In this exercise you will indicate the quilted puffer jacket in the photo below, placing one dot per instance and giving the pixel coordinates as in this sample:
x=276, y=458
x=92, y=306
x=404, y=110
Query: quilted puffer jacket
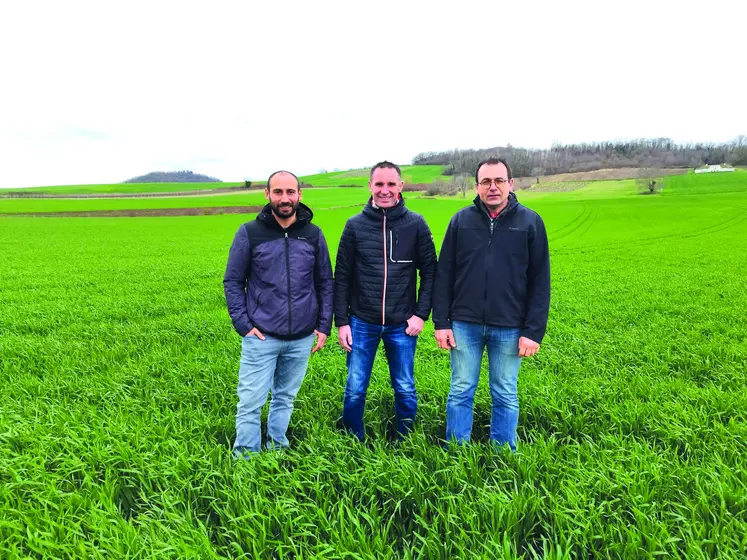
x=378, y=260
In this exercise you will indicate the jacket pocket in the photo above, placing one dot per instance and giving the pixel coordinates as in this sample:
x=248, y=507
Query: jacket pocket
x=402, y=244
x=252, y=303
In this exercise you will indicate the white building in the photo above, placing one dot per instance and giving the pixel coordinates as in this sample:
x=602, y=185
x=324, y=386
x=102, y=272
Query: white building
x=714, y=169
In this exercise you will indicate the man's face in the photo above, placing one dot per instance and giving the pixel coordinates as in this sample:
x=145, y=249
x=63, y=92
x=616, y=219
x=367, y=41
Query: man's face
x=284, y=195
x=385, y=186
x=493, y=185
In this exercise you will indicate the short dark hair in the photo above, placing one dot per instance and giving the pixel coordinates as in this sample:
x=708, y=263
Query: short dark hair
x=283, y=171
x=493, y=161
x=385, y=165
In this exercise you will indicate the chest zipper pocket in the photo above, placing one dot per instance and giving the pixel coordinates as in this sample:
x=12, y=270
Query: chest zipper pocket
x=391, y=249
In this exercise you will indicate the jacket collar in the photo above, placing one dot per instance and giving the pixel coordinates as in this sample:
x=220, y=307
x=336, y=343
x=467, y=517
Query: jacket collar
x=377, y=213
x=304, y=215
x=510, y=208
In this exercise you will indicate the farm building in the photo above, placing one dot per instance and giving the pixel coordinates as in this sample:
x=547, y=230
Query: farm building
x=714, y=169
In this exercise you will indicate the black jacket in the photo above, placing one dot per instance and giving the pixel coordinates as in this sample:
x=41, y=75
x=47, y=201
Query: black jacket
x=494, y=271
x=279, y=280
x=377, y=262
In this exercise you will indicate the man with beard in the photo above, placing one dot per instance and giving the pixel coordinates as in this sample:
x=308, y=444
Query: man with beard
x=377, y=297
x=278, y=285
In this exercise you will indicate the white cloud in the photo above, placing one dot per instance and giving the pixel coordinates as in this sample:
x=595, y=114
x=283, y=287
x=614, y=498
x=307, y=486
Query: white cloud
x=102, y=91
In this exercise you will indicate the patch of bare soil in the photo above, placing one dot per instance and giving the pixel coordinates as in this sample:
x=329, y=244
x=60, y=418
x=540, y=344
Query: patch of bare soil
x=563, y=186
x=150, y=212
x=599, y=175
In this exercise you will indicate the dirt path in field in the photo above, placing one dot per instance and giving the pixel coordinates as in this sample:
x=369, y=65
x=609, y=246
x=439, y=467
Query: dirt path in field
x=150, y=212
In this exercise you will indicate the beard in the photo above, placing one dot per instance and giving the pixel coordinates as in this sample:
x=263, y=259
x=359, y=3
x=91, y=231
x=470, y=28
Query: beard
x=284, y=211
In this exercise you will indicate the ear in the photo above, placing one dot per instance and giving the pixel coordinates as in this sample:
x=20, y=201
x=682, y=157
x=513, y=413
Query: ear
x=267, y=194
x=511, y=185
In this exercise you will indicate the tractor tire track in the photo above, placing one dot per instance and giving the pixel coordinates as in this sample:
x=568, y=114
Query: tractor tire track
x=578, y=216
x=589, y=223
x=708, y=230
x=590, y=215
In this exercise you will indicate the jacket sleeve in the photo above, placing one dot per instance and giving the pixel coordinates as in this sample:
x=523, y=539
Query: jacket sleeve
x=443, y=287
x=234, y=281
x=426, y=263
x=538, y=285
x=324, y=284
x=344, y=274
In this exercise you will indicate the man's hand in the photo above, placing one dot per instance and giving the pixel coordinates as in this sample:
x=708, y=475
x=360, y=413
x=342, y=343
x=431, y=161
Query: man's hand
x=527, y=347
x=414, y=326
x=445, y=339
x=321, y=340
x=255, y=332
x=345, y=337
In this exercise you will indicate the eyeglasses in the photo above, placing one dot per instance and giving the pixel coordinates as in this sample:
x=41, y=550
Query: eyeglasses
x=499, y=182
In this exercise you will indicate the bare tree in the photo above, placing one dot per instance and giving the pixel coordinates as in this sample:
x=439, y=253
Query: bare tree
x=649, y=180
x=537, y=172
x=463, y=184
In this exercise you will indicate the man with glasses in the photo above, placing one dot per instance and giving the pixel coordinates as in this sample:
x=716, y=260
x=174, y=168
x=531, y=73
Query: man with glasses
x=492, y=290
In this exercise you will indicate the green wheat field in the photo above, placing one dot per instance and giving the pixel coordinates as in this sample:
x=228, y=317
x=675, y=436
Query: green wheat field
x=118, y=373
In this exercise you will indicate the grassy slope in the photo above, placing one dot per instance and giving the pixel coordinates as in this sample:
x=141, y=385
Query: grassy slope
x=707, y=183
x=118, y=387
x=410, y=173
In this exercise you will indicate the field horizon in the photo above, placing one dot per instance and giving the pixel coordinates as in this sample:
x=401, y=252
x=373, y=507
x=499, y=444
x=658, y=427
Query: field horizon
x=411, y=175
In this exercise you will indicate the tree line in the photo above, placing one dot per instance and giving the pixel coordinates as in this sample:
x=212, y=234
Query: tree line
x=568, y=158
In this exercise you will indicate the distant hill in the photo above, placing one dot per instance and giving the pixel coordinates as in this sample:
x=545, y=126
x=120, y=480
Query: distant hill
x=173, y=177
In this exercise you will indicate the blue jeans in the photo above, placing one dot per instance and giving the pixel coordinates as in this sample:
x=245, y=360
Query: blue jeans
x=268, y=365
x=503, y=367
x=400, y=353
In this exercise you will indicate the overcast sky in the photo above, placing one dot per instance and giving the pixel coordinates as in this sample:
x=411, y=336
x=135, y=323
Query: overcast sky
x=102, y=91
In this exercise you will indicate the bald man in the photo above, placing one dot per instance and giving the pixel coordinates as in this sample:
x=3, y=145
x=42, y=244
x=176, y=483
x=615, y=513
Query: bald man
x=278, y=286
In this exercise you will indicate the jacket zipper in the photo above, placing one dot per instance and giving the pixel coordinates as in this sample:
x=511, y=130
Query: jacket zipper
x=288, y=274
x=487, y=264
x=383, y=296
